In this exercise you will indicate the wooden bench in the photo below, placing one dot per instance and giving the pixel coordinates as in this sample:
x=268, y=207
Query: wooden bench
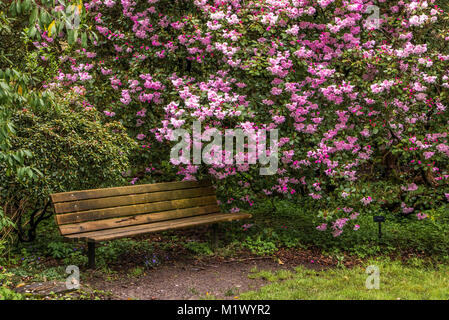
x=105, y=214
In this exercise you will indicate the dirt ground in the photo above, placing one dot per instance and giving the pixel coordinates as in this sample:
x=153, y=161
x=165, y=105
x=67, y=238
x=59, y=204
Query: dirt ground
x=183, y=281
x=206, y=278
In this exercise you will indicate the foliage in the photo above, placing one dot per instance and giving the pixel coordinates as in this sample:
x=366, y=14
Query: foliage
x=17, y=90
x=361, y=108
x=259, y=246
x=5, y=281
x=199, y=248
x=13, y=169
x=355, y=102
x=136, y=272
x=72, y=149
x=292, y=226
x=47, y=144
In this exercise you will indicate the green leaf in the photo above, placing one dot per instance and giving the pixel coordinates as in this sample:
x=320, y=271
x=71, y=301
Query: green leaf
x=94, y=35
x=70, y=36
x=12, y=9
x=33, y=16
x=18, y=7
x=84, y=40
x=43, y=19
x=26, y=5
x=32, y=32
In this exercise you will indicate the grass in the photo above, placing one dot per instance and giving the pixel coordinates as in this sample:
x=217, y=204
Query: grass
x=396, y=282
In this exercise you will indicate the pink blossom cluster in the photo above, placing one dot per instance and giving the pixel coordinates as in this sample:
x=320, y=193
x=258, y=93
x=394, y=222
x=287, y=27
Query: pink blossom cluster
x=341, y=93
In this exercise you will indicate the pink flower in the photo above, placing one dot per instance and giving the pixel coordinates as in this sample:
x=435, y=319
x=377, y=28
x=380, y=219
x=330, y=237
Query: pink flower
x=276, y=91
x=406, y=209
x=428, y=154
x=109, y=113
x=315, y=196
x=411, y=187
x=278, y=119
x=142, y=112
x=109, y=3
x=337, y=232
x=354, y=216
x=421, y=216
x=366, y=201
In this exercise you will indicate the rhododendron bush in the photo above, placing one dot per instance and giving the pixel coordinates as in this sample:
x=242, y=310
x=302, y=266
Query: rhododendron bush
x=357, y=90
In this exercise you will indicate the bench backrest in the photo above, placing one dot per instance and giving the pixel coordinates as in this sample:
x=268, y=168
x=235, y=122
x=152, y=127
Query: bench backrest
x=100, y=209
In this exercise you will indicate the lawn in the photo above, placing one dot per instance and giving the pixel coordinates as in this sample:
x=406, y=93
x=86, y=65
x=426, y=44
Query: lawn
x=397, y=281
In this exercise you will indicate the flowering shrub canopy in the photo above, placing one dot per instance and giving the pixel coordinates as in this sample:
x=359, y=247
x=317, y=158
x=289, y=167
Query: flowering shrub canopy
x=357, y=89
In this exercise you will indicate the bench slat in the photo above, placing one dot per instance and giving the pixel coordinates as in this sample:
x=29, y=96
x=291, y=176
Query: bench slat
x=105, y=235
x=137, y=219
x=109, y=202
x=126, y=211
x=120, y=191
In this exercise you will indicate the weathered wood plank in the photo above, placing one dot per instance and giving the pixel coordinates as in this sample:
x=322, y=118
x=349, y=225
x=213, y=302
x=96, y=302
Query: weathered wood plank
x=109, y=202
x=137, y=219
x=105, y=235
x=120, y=191
x=125, y=211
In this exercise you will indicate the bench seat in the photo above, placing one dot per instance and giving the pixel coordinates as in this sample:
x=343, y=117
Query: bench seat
x=123, y=232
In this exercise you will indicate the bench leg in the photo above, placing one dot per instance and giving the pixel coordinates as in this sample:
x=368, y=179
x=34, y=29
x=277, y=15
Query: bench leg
x=91, y=254
x=215, y=235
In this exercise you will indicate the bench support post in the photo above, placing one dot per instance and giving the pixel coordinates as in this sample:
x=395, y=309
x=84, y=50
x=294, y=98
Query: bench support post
x=91, y=254
x=215, y=235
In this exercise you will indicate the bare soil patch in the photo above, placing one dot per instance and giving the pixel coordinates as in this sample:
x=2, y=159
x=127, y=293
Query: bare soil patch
x=214, y=277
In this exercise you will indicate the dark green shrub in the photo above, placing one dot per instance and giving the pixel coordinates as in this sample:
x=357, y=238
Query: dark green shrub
x=72, y=149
